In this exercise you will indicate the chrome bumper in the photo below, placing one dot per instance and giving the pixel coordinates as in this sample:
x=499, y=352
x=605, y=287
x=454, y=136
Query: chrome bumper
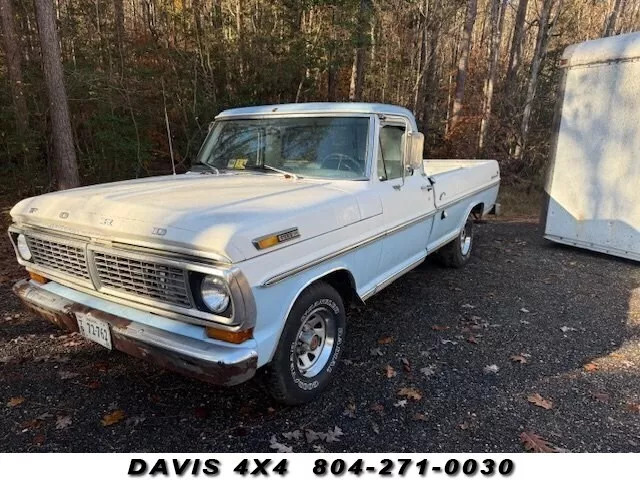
x=196, y=358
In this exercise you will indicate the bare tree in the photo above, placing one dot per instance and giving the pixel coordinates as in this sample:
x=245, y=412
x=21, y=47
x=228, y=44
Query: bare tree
x=14, y=65
x=357, y=71
x=545, y=28
x=515, y=53
x=64, y=150
x=463, y=62
x=497, y=17
x=610, y=23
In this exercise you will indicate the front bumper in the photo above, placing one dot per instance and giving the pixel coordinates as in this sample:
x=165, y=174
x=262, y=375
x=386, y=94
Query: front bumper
x=197, y=358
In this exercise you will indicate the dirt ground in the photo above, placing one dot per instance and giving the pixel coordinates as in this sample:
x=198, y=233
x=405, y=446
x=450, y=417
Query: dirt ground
x=529, y=337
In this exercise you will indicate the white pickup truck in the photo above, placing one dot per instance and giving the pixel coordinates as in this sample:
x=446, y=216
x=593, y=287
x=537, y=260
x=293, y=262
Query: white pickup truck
x=290, y=214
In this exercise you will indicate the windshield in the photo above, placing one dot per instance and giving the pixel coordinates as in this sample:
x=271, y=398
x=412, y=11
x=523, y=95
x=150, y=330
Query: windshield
x=325, y=147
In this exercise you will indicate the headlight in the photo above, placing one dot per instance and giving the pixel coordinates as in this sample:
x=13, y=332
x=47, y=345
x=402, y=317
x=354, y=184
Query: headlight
x=214, y=294
x=23, y=248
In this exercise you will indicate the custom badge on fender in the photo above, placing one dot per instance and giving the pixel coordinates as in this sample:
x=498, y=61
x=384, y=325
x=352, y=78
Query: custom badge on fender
x=276, y=238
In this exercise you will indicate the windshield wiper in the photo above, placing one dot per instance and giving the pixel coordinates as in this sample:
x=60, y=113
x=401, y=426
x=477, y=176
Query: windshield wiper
x=284, y=172
x=210, y=167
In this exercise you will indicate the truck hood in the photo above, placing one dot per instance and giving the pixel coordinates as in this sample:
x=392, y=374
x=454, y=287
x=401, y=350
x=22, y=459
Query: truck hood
x=215, y=216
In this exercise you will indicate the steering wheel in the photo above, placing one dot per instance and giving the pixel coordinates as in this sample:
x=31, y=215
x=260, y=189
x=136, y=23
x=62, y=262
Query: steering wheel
x=350, y=163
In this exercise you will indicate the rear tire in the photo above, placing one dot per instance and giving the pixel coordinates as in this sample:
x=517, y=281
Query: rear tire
x=309, y=347
x=457, y=253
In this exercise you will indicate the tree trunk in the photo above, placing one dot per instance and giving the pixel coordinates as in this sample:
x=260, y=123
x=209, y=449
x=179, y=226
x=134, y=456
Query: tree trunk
x=497, y=17
x=463, y=63
x=515, y=53
x=118, y=12
x=357, y=71
x=64, y=150
x=610, y=23
x=544, y=31
x=14, y=65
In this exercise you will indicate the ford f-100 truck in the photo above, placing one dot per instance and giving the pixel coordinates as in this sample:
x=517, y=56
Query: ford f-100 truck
x=290, y=214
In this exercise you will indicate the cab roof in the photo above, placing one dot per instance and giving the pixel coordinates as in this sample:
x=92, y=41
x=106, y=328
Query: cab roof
x=318, y=107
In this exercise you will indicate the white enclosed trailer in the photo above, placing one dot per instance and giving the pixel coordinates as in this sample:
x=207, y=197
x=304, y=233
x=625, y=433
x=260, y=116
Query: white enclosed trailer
x=593, y=185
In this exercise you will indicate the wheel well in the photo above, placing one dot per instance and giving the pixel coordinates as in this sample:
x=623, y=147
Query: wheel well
x=477, y=211
x=345, y=285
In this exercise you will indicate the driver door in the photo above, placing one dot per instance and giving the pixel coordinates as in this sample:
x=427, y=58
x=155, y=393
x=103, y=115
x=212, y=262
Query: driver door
x=407, y=202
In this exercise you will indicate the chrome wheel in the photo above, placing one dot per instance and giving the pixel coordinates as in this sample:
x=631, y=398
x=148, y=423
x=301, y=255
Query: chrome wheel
x=314, y=342
x=465, y=241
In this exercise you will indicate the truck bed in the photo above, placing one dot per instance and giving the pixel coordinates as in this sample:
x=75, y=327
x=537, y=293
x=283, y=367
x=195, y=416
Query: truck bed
x=455, y=179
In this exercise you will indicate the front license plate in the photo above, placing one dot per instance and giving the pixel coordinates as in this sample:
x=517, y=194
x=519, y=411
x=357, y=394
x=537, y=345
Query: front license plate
x=95, y=330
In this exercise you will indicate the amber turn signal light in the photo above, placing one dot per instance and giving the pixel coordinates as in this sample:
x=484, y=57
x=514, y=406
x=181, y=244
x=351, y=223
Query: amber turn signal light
x=227, y=336
x=38, y=278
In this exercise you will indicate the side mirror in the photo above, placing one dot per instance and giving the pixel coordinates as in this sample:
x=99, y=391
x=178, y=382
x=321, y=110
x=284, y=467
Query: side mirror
x=415, y=148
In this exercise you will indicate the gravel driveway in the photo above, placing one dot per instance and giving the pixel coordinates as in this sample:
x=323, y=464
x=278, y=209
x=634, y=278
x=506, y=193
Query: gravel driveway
x=442, y=360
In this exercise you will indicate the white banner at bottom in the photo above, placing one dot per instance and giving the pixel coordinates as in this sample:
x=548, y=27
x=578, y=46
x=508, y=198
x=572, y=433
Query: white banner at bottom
x=114, y=466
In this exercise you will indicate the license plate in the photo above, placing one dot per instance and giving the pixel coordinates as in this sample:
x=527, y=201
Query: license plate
x=95, y=330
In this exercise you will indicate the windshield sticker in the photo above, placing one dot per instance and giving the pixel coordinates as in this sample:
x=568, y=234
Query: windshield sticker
x=237, y=163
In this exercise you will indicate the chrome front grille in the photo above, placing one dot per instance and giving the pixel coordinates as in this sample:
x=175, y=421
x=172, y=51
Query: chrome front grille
x=58, y=256
x=155, y=281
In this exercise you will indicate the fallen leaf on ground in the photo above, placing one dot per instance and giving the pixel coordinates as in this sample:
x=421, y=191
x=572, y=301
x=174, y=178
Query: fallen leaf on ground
x=34, y=424
x=63, y=422
x=279, y=447
x=377, y=407
x=633, y=407
x=601, y=396
x=295, y=435
x=66, y=375
x=112, y=418
x=349, y=411
x=15, y=401
x=38, y=439
x=472, y=339
x=411, y=393
x=590, y=367
x=400, y=403
x=535, y=443
x=385, y=340
x=332, y=435
x=446, y=341
x=464, y=426
x=376, y=352
x=491, y=368
x=135, y=420
x=428, y=371
x=420, y=417
x=439, y=328
x=468, y=306
x=524, y=310
x=406, y=365
x=521, y=358
x=539, y=401
x=93, y=385
x=566, y=329
x=390, y=371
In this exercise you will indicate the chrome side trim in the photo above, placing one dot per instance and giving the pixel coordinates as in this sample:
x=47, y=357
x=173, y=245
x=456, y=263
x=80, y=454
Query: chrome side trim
x=294, y=271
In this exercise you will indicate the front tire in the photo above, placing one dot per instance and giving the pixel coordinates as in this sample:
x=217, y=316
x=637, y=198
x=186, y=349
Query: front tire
x=457, y=253
x=310, y=346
